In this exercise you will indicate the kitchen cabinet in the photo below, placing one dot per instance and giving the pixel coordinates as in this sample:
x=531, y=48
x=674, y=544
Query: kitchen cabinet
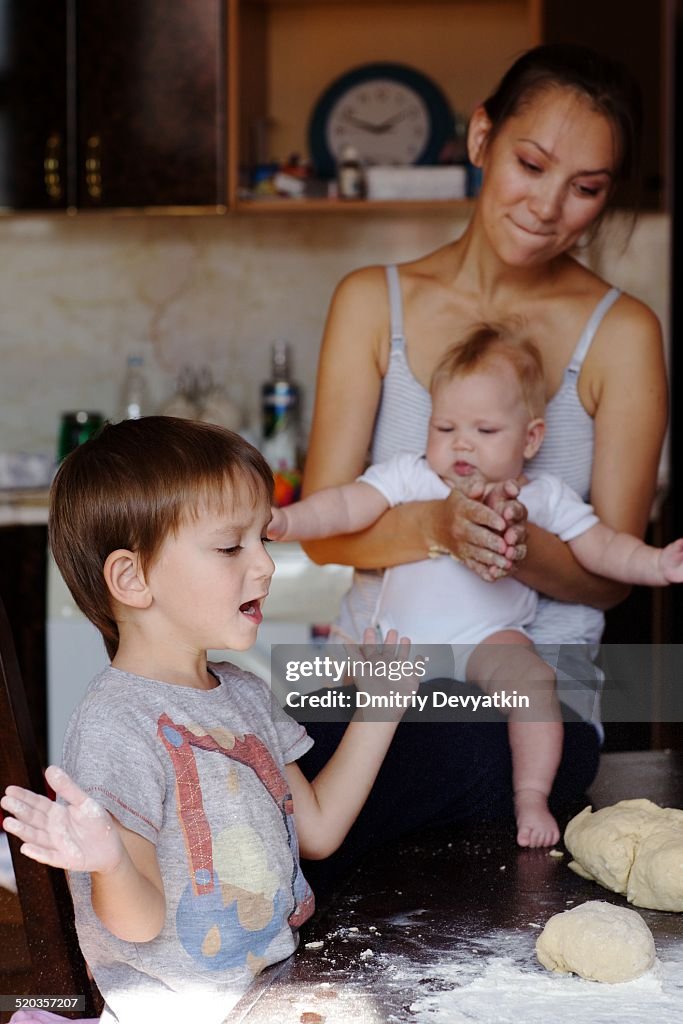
x=158, y=105
x=645, y=620
x=33, y=104
x=112, y=105
x=23, y=576
x=150, y=103
x=636, y=34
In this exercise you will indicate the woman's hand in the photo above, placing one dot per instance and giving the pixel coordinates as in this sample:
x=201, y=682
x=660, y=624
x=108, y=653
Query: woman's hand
x=486, y=532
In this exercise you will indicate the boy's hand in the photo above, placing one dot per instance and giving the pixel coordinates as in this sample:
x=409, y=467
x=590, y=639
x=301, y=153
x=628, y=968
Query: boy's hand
x=277, y=527
x=378, y=682
x=671, y=562
x=78, y=836
x=384, y=650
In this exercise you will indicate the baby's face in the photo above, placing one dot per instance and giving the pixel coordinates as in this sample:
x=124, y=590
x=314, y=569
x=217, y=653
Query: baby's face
x=480, y=426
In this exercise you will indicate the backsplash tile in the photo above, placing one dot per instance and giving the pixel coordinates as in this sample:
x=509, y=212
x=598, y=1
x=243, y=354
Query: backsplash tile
x=77, y=295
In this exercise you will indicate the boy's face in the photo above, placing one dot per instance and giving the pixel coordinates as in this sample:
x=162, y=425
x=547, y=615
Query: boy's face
x=480, y=426
x=210, y=579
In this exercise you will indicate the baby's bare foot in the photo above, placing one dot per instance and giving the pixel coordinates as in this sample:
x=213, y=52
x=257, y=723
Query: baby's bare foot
x=535, y=824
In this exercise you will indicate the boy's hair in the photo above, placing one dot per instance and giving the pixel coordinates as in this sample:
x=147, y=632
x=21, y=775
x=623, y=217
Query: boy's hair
x=134, y=484
x=486, y=342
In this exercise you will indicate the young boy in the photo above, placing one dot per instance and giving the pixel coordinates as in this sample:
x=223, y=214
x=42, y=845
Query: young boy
x=487, y=407
x=180, y=793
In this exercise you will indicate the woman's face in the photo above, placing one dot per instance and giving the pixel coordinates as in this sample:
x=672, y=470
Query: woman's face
x=547, y=175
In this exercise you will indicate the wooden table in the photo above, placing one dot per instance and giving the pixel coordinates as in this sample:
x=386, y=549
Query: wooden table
x=468, y=902
x=386, y=949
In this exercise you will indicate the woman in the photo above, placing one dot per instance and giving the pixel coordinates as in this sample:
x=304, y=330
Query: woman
x=553, y=141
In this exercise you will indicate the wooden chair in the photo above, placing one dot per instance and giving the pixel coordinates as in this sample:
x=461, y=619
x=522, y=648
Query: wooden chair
x=57, y=965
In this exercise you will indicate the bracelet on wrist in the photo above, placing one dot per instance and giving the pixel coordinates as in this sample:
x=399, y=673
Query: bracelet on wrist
x=436, y=551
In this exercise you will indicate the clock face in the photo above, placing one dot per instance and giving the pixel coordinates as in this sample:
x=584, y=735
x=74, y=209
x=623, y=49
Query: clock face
x=390, y=113
x=386, y=121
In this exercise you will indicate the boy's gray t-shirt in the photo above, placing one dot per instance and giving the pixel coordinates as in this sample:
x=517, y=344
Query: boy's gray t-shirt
x=199, y=773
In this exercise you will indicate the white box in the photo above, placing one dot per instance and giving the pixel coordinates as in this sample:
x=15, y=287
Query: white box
x=448, y=182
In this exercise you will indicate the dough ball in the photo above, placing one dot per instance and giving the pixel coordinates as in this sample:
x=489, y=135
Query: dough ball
x=633, y=847
x=656, y=878
x=597, y=941
x=604, y=842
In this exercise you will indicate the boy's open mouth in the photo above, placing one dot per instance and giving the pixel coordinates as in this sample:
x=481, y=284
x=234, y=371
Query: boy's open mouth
x=252, y=609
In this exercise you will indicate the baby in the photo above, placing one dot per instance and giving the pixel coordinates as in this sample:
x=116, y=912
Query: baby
x=182, y=809
x=488, y=403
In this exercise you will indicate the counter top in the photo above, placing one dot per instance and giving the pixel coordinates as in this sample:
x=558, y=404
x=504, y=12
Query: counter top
x=29, y=506
x=301, y=589
x=442, y=928
x=23, y=507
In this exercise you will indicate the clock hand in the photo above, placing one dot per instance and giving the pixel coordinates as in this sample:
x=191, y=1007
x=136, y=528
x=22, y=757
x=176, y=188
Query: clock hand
x=366, y=126
x=386, y=126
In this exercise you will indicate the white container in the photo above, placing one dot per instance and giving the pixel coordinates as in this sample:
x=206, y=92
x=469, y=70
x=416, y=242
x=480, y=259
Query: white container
x=134, y=401
x=351, y=183
x=448, y=182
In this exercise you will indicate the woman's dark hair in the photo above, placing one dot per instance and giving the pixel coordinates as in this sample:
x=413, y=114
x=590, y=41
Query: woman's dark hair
x=606, y=83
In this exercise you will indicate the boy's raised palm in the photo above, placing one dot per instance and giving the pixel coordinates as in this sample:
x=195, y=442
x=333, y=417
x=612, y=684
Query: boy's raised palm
x=77, y=836
x=372, y=650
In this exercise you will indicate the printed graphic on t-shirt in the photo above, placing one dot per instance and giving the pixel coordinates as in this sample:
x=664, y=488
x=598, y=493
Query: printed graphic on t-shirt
x=232, y=907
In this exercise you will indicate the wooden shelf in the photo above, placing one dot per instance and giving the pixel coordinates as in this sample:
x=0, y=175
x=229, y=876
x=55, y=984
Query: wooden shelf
x=283, y=54
x=365, y=3
x=361, y=206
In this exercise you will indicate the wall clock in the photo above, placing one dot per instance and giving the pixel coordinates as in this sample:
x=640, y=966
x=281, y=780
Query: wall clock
x=391, y=113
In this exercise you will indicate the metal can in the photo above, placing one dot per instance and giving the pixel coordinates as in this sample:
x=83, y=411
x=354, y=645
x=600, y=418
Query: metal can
x=75, y=428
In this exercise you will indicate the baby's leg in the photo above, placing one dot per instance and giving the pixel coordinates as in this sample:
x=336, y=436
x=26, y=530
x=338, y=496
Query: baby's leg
x=506, y=661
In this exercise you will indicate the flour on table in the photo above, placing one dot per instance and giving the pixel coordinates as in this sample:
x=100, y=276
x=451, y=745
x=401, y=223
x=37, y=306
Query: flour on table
x=496, y=979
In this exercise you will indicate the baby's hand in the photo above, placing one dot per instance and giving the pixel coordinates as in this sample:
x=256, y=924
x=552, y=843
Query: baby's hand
x=502, y=498
x=277, y=527
x=671, y=562
x=78, y=836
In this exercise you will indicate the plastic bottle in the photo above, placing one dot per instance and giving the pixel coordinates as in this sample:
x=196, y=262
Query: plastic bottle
x=134, y=390
x=350, y=174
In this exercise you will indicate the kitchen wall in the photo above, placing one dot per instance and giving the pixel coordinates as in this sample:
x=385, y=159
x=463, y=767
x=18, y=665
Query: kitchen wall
x=77, y=294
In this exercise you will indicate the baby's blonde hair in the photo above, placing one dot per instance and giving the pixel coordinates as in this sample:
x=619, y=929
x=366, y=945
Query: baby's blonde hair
x=483, y=344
